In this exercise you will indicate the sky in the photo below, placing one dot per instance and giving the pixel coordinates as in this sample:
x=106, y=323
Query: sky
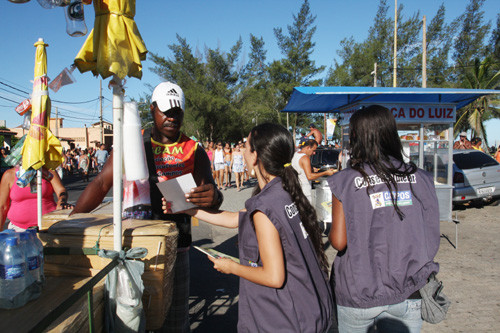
x=203, y=23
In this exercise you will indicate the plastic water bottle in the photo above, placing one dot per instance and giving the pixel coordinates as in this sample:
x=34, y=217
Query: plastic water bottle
x=32, y=257
x=12, y=269
x=75, y=19
x=39, y=247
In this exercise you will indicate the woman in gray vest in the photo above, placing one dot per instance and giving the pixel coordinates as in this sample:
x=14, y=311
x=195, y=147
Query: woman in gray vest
x=283, y=284
x=385, y=225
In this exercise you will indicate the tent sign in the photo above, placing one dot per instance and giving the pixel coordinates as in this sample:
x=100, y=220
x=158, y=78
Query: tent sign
x=413, y=113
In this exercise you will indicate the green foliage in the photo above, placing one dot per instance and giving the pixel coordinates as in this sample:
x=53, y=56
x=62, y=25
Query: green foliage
x=483, y=75
x=226, y=97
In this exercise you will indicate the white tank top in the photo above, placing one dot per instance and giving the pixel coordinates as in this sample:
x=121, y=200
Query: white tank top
x=304, y=182
x=219, y=156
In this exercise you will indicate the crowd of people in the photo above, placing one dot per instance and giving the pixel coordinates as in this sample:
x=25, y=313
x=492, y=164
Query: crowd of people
x=84, y=161
x=226, y=159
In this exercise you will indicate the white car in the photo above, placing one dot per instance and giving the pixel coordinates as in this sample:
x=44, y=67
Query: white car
x=476, y=177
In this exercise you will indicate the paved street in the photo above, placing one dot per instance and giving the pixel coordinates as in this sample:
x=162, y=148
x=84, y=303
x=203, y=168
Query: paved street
x=470, y=273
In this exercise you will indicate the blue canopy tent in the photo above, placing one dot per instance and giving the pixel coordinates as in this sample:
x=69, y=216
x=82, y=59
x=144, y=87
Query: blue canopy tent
x=335, y=99
x=433, y=150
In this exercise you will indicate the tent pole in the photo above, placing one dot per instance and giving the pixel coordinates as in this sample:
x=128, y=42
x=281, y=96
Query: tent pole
x=39, y=198
x=117, y=162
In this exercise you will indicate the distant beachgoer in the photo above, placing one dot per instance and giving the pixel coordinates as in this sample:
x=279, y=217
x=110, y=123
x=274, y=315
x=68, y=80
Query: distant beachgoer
x=476, y=143
x=227, y=160
x=83, y=165
x=101, y=157
x=238, y=166
x=315, y=133
x=218, y=165
x=462, y=143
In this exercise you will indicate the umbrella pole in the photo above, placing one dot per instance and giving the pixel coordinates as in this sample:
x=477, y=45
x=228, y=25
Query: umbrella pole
x=117, y=162
x=39, y=197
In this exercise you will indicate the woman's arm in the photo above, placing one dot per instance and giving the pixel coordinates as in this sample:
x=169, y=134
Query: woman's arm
x=60, y=191
x=272, y=272
x=217, y=217
x=7, y=179
x=338, y=233
x=305, y=163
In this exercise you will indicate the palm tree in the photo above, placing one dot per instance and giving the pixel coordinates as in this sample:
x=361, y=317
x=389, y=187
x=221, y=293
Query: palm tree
x=483, y=75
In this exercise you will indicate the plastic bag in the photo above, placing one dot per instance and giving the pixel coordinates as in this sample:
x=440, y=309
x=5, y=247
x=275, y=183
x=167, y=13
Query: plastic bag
x=124, y=289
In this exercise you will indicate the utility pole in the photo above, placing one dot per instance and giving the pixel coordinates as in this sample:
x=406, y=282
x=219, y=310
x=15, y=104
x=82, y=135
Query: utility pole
x=424, y=55
x=100, y=107
x=394, y=70
x=374, y=73
x=57, y=123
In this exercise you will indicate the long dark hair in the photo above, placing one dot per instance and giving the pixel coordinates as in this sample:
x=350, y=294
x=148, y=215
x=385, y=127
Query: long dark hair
x=275, y=148
x=374, y=140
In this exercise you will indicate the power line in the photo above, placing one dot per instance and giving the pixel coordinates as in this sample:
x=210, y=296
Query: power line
x=53, y=100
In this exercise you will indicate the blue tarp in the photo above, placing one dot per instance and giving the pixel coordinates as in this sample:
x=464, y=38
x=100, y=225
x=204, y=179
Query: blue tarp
x=332, y=99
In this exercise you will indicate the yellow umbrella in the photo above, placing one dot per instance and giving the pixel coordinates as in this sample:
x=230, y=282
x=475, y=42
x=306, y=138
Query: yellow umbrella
x=114, y=46
x=41, y=147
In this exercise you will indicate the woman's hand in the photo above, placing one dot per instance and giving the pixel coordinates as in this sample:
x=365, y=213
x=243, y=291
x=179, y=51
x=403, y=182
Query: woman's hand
x=223, y=265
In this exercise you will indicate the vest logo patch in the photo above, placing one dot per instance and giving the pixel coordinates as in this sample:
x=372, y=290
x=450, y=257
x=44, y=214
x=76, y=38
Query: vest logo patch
x=383, y=199
x=359, y=182
x=291, y=210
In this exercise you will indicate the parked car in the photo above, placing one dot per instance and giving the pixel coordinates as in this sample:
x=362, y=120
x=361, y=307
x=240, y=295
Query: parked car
x=476, y=177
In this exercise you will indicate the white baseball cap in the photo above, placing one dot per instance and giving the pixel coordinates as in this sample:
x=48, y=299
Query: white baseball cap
x=168, y=95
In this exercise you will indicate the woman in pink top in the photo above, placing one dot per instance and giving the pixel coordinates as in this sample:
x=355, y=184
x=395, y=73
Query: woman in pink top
x=19, y=204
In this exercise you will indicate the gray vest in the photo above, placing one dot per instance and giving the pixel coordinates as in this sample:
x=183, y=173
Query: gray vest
x=386, y=259
x=304, y=303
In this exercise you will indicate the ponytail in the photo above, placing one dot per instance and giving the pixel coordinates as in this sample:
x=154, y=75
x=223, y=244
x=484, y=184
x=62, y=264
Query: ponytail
x=275, y=148
x=291, y=184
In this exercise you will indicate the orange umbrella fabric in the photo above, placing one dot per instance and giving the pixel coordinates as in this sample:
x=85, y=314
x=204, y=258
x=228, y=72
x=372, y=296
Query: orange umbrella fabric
x=41, y=147
x=114, y=46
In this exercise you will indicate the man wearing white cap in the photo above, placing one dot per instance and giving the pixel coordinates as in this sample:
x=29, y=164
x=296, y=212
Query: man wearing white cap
x=463, y=143
x=169, y=154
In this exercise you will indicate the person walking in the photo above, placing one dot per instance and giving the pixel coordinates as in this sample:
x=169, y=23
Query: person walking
x=228, y=152
x=301, y=162
x=169, y=154
x=385, y=225
x=83, y=165
x=101, y=157
x=282, y=267
x=238, y=166
x=219, y=166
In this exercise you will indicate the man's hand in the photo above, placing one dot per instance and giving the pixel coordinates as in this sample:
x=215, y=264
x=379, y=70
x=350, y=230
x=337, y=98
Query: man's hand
x=64, y=205
x=330, y=172
x=203, y=196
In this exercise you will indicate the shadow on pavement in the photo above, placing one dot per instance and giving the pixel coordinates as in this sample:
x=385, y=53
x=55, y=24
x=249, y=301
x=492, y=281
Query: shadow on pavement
x=213, y=302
